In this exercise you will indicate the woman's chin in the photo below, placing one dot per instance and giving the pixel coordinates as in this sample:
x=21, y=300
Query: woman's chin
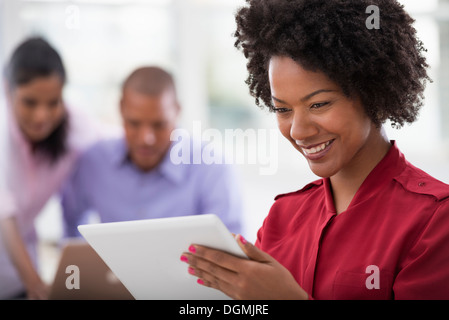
x=322, y=170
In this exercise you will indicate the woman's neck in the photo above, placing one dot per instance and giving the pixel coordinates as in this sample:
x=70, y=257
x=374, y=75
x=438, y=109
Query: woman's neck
x=347, y=181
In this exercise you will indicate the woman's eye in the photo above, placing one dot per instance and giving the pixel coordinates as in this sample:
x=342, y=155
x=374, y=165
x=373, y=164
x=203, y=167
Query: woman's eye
x=319, y=105
x=30, y=103
x=280, y=110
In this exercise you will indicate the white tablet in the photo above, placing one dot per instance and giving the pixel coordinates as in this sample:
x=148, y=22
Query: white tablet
x=145, y=254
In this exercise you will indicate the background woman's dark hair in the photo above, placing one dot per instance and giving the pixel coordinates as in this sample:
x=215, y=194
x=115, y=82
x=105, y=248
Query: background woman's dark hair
x=36, y=58
x=385, y=67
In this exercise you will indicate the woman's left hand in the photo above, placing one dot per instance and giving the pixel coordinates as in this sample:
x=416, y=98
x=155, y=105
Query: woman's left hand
x=259, y=277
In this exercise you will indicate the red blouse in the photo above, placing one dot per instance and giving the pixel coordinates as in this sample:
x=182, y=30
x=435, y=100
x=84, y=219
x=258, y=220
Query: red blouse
x=391, y=243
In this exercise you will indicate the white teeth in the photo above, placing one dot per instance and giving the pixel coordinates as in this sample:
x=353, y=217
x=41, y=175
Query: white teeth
x=317, y=148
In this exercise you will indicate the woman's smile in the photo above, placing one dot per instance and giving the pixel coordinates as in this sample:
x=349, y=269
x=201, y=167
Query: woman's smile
x=316, y=151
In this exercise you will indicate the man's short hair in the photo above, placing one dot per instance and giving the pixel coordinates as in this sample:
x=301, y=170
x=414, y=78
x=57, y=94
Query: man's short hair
x=149, y=80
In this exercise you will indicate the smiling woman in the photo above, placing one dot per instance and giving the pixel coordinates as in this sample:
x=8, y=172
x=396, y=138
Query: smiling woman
x=374, y=226
x=43, y=143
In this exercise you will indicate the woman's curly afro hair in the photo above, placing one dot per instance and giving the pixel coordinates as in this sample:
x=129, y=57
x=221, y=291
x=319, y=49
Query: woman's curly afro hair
x=385, y=67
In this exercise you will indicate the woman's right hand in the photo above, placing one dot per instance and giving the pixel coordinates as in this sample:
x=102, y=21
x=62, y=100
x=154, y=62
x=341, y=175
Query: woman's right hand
x=260, y=277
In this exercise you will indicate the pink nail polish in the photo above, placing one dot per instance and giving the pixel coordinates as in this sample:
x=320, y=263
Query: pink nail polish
x=184, y=258
x=199, y=281
x=192, y=249
x=243, y=240
x=191, y=270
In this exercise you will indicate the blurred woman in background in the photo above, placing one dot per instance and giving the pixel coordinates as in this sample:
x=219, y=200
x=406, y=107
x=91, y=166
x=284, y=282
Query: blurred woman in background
x=44, y=139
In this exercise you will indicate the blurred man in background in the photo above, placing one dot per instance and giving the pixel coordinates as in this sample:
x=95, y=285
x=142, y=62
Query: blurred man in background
x=133, y=177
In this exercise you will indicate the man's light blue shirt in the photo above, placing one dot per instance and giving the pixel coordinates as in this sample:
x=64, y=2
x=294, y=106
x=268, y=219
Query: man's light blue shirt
x=106, y=182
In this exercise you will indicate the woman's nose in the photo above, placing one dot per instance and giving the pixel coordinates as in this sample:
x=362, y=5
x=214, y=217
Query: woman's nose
x=41, y=114
x=302, y=127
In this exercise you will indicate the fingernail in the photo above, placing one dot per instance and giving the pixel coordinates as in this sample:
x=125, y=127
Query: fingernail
x=184, y=258
x=243, y=240
x=192, y=249
x=191, y=270
x=199, y=281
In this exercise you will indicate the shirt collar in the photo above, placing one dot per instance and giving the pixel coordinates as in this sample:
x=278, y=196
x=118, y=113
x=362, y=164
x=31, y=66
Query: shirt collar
x=392, y=164
x=174, y=172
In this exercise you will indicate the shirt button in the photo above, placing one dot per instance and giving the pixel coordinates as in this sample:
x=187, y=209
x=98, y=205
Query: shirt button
x=421, y=184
